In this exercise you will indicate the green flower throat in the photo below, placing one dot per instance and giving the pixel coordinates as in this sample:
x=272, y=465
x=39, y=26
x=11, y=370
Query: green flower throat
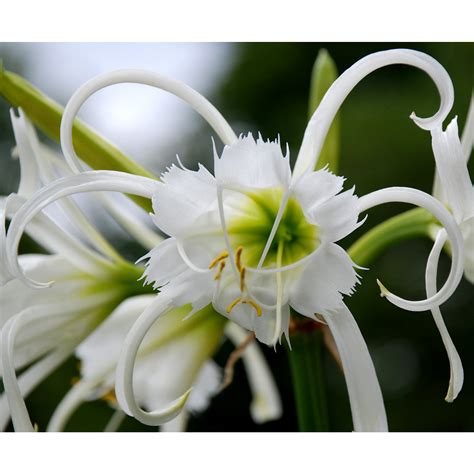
x=251, y=228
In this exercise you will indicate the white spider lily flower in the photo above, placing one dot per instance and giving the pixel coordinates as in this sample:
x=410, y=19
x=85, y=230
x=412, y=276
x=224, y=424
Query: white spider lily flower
x=175, y=356
x=40, y=329
x=55, y=326
x=453, y=187
x=255, y=238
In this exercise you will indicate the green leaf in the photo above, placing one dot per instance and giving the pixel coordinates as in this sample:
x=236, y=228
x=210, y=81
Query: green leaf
x=46, y=114
x=323, y=75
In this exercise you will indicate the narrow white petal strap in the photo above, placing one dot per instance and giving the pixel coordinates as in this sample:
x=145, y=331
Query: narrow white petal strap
x=266, y=403
x=467, y=138
x=85, y=182
x=365, y=396
x=177, y=424
x=31, y=377
x=115, y=421
x=77, y=395
x=137, y=76
x=455, y=365
x=19, y=413
x=124, y=372
x=49, y=164
x=322, y=118
x=30, y=175
x=432, y=205
x=122, y=215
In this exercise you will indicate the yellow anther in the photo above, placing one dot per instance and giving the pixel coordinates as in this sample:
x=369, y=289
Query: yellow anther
x=255, y=306
x=219, y=271
x=110, y=397
x=222, y=256
x=233, y=304
x=242, y=279
x=238, y=254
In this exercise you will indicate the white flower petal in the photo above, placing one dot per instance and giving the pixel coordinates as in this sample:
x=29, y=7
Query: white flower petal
x=250, y=164
x=118, y=209
x=452, y=171
x=124, y=374
x=326, y=278
x=181, y=90
x=457, y=373
x=24, y=135
x=467, y=139
x=14, y=296
x=184, y=193
x=115, y=421
x=85, y=182
x=314, y=189
x=163, y=263
x=31, y=378
x=19, y=413
x=467, y=229
x=266, y=403
x=78, y=394
x=318, y=126
x=421, y=199
x=53, y=238
x=365, y=396
x=245, y=315
x=337, y=217
x=100, y=351
x=39, y=165
x=206, y=385
x=177, y=424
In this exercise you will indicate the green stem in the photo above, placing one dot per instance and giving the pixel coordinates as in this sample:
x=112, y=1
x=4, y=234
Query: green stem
x=46, y=114
x=308, y=380
x=404, y=226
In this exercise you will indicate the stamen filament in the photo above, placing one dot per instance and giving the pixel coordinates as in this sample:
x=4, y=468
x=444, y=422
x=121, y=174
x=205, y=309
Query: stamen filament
x=275, y=226
x=279, y=282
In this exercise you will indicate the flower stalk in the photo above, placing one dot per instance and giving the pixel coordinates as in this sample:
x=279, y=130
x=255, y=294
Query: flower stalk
x=307, y=373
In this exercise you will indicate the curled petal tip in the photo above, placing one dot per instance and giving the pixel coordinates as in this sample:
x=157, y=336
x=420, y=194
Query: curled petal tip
x=176, y=407
x=384, y=292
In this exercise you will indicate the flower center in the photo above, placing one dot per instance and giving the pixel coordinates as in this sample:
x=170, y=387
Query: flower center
x=252, y=225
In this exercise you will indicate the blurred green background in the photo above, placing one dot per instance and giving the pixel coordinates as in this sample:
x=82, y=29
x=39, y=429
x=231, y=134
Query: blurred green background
x=265, y=89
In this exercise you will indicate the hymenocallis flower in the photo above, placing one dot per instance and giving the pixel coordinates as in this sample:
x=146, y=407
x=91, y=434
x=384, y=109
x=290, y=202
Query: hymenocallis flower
x=255, y=238
x=175, y=355
x=453, y=187
x=88, y=311
x=40, y=329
